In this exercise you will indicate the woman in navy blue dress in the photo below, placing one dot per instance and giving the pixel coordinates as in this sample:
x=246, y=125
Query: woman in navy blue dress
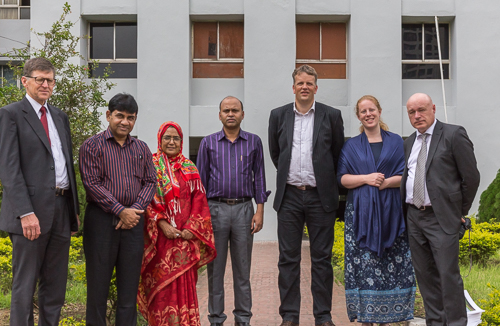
x=379, y=278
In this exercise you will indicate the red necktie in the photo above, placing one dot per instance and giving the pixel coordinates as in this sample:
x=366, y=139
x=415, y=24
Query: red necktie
x=43, y=119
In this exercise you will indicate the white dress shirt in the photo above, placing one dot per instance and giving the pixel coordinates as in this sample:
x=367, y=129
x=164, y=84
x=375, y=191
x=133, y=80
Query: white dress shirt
x=412, y=165
x=62, y=180
x=301, y=171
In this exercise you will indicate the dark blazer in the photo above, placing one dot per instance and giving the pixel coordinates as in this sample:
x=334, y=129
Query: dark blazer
x=328, y=139
x=452, y=177
x=27, y=167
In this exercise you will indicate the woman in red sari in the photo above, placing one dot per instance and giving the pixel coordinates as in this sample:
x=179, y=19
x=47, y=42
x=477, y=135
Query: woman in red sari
x=178, y=236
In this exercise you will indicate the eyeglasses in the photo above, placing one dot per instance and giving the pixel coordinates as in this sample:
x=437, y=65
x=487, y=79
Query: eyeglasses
x=41, y=80
x=168, y=139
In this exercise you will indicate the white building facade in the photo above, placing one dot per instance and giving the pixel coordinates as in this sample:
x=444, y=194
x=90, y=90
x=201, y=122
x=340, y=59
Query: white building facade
x=180, y=58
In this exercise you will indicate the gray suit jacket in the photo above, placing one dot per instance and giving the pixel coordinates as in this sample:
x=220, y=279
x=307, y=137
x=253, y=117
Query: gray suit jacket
x=328, y=139
x=452, y=177
x=27, y=167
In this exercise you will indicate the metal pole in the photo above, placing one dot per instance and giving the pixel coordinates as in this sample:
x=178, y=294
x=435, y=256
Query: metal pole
x=441, y=68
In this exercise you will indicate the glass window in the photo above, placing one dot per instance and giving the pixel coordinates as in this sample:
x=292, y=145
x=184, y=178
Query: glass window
x=113, y=44
x=322, y=46
x=420, y=51
x=14, y=9
x=218, y=49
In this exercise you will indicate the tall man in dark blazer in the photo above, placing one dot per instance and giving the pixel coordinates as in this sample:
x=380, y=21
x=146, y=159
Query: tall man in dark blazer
x=438, y=187
x=305, y=139
x=40, y=202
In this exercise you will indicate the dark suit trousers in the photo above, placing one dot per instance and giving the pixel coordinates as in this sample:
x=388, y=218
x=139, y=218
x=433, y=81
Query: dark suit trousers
x=104, y=249
x=299, y=207
x=44, y=260
x=435, y=259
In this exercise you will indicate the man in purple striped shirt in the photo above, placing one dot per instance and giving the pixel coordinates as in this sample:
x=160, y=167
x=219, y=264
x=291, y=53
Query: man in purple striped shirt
x=118, y=173
x=231, y=165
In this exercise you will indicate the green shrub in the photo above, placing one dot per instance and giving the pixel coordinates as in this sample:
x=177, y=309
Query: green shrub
x=491, y=316
x=338, y=246
x=483, y=243
x=70, y=321
x=489, y=203
x=5, y=265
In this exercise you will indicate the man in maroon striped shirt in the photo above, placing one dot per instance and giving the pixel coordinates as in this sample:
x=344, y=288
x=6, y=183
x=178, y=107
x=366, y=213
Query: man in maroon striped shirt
x=118, y=173
x=231, y=165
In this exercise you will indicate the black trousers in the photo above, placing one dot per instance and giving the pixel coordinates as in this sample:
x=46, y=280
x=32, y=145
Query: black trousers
x=435, y=260
x=106, y=248
x=44, y=260
x=299, y=207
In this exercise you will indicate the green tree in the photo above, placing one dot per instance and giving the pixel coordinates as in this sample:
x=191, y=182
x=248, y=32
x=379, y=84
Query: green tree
x=75, y=93
x=489, y=203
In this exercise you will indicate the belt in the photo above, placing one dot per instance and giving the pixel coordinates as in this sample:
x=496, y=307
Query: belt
x=62, y=192
x=422, y=208
x=302, y=187
x=231, y=201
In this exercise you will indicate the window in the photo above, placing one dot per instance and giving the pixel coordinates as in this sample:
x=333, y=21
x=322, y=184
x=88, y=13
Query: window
x=322, y=46
x=218, y=50
x=420, y=51
x=14, y=9
x=114, y=44
x=8, y=75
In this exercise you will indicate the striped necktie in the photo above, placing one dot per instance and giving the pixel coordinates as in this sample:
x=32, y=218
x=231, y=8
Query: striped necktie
x=419, y=182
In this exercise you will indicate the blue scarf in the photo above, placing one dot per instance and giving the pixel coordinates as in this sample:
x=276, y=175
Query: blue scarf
x=378, y=214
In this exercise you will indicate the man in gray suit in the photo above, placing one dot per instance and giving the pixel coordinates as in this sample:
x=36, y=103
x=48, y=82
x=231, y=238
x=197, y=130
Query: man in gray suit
x=438, y=187
x=40, y=202
x=305, y=140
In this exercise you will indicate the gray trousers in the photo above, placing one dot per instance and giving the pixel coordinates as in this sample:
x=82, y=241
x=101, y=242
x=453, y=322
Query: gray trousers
x=232, y=226
x=44, y=260
x=435, y=260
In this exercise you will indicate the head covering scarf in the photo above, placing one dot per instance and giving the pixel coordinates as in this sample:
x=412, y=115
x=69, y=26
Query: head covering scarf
x=167, y=186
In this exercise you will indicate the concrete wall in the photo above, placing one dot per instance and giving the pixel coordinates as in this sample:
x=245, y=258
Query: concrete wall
x=166, y=91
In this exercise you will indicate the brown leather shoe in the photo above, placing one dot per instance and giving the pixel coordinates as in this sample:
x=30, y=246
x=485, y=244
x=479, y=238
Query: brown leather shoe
x=328, y=323
x=288, y=323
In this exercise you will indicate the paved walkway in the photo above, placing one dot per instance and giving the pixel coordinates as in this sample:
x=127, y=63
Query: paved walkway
x=264, y=279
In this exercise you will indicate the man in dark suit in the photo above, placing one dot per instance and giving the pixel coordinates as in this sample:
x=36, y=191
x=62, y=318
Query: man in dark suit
x=438, y=187
x=305, y=139
x=40, y=202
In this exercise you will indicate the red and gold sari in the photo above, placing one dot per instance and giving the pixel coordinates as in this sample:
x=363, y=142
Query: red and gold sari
x=167, y=291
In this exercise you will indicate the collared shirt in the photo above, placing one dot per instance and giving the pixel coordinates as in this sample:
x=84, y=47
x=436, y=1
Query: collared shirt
x=116, y=176
x=301, y=171
x=62, y=179
x=412, y=165
x=233, y=169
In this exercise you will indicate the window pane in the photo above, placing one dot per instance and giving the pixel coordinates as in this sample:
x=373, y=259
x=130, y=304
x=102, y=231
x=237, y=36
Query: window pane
x=10, y=2
x=101, y=41
x=412, y=41
x=25, y=13
x=120, y=70
x=333, y=41
x=431, y=49
x=8, y=13
x=230, y=40
x=8, y=74
x=425, y=71
x=126, y=40
x=217, y=70
x=307, y=41
x=25, y=3
x=205, y=40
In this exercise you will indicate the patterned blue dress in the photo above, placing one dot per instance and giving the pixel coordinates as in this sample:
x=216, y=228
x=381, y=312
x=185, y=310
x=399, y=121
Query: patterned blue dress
x=379, y=289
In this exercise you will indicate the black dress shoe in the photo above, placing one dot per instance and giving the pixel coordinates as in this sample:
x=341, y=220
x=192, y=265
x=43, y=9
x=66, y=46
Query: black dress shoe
x=240, y=323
